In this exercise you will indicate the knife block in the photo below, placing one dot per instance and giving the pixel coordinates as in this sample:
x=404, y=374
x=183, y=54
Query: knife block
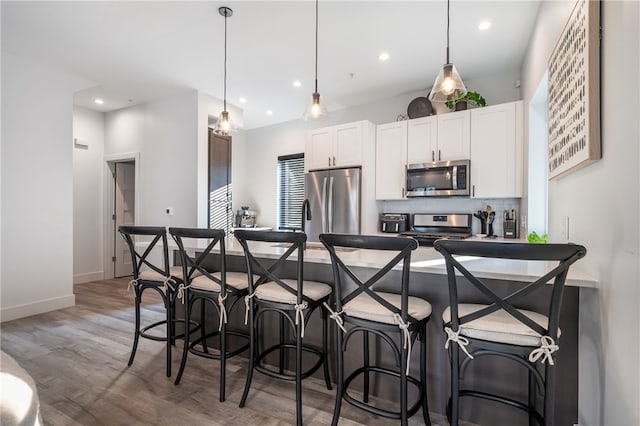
x=510, y=229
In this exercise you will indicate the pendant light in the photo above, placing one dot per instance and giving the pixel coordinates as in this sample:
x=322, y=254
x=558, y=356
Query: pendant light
x=316, y=109
x=448, y=85
x=224, y=125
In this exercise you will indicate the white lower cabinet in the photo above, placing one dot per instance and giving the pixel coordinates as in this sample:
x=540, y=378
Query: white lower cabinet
x=391, y=160
x=497, y=151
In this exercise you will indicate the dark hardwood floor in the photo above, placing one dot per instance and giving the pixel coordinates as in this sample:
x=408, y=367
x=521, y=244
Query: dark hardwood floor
x=78, y=359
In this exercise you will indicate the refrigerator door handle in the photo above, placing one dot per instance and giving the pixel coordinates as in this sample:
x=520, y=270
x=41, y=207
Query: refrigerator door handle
x=324, y=205
x=330, y=205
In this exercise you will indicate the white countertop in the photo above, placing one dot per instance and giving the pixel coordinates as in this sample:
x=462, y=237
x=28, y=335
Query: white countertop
x=424, y=260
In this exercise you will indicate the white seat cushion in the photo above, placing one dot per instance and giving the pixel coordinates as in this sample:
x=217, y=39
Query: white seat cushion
x=499, y=326
x=274, y=293
x=174, y=271
x=366, y=307
x=237, y=280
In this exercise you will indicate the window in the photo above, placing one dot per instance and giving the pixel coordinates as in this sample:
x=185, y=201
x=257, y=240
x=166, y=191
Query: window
x=290, y=191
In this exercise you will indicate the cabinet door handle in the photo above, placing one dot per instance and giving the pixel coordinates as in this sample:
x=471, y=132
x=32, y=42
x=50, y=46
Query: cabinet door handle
x=433, y=155
x=473, y=190
x=439, y=156
x=329, y=163
x=402, y=192
x=334, y=160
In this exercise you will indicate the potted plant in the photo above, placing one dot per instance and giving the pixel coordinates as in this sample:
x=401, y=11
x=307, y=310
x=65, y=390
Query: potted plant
x=461, y=104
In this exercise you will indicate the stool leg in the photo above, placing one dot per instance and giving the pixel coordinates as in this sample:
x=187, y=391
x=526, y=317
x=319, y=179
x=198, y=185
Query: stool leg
x=282, y=342
x=168, y=308
x=549, y=394
x=403, y=383
x=252, y=353
x=455, y=384
x=185, y=351
x=365, y=350
x=223, y=358
x=423, y=374
x=136, y=336
x=325, y=345
x=299, y=374
x=339, y=375
x=203, y=328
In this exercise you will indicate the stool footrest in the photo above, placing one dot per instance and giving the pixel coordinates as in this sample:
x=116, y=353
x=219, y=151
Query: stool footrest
x=376, y=410
x=291, y=377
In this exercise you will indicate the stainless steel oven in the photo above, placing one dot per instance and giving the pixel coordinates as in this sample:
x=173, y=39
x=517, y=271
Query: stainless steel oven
x=438, y=179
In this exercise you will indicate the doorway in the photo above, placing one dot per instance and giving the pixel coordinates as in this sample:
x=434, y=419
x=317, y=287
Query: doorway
x=123, y=214
x=122, y=207
x=220, y=187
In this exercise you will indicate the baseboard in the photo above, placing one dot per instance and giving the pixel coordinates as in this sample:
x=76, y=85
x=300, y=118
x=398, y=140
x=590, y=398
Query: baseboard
x=35, y=308
x=88, y=277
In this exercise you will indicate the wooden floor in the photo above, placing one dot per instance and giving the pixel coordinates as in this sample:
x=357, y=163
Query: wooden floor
x=78, y=359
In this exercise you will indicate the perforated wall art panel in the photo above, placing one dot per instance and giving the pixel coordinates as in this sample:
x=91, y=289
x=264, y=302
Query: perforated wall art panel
x=574, y=92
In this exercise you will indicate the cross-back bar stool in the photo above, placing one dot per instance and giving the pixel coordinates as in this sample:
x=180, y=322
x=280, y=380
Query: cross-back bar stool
x=499, y=328
x=396, y=318
x=157, y=276
x=294, y=300
x=221, y=290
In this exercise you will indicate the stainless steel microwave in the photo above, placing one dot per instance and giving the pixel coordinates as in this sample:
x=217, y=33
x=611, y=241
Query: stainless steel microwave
x=438, y=179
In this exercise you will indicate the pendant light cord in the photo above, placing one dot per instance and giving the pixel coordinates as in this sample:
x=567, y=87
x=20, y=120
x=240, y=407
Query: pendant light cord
x=226, y=13
x=447, y=31
x=316, y=86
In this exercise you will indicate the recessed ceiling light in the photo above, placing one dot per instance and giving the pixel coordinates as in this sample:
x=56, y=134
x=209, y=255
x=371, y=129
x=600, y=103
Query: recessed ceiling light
x=383, y=56
x=269, y=112
x=297, y=83
x=484, y=25
x=98, y=101
x=243, y=100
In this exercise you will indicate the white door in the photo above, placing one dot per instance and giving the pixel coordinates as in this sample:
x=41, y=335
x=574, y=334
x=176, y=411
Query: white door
x=422, y=140
x=319, y=149
x=125, y=182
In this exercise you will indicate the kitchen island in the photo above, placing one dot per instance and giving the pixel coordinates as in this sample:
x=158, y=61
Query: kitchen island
x=428, y=280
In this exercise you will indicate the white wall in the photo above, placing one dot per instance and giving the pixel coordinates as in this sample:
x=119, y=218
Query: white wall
x=164, y=132
x=88, y=187
x=265, y=144
x=37, y=188
x=603, y=215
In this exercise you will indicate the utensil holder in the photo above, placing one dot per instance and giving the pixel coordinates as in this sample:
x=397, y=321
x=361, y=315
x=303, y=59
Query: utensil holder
x=510, y=229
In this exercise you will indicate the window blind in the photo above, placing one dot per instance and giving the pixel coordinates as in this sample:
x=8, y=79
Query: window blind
x=290, y=191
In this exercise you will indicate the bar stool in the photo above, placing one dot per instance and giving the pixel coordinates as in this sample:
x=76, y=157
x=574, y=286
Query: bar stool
x=293, y=300
x=498, y=328
x=389, y=316
x=222, y=290
x=158, y=277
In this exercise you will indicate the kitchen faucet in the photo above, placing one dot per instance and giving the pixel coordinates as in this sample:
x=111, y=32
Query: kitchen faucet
x=306, y=208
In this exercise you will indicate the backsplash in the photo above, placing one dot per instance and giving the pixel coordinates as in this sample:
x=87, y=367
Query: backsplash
x=455, y=205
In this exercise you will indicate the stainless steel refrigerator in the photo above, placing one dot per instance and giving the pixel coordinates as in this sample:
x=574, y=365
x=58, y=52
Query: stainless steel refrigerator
x=334, y=201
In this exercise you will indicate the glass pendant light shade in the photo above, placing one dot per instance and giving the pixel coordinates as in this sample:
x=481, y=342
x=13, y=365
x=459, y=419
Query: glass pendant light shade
x=316, y=109
x=224, y=125
x=448, y=85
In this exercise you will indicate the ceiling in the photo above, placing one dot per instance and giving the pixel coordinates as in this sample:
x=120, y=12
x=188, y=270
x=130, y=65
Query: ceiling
x=139, y=51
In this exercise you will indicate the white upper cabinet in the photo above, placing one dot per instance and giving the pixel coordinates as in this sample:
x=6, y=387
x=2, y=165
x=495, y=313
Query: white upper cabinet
x=391, y=160
x=336, y=146
x=497, y=151
x=422, y=140
x=454, y=136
